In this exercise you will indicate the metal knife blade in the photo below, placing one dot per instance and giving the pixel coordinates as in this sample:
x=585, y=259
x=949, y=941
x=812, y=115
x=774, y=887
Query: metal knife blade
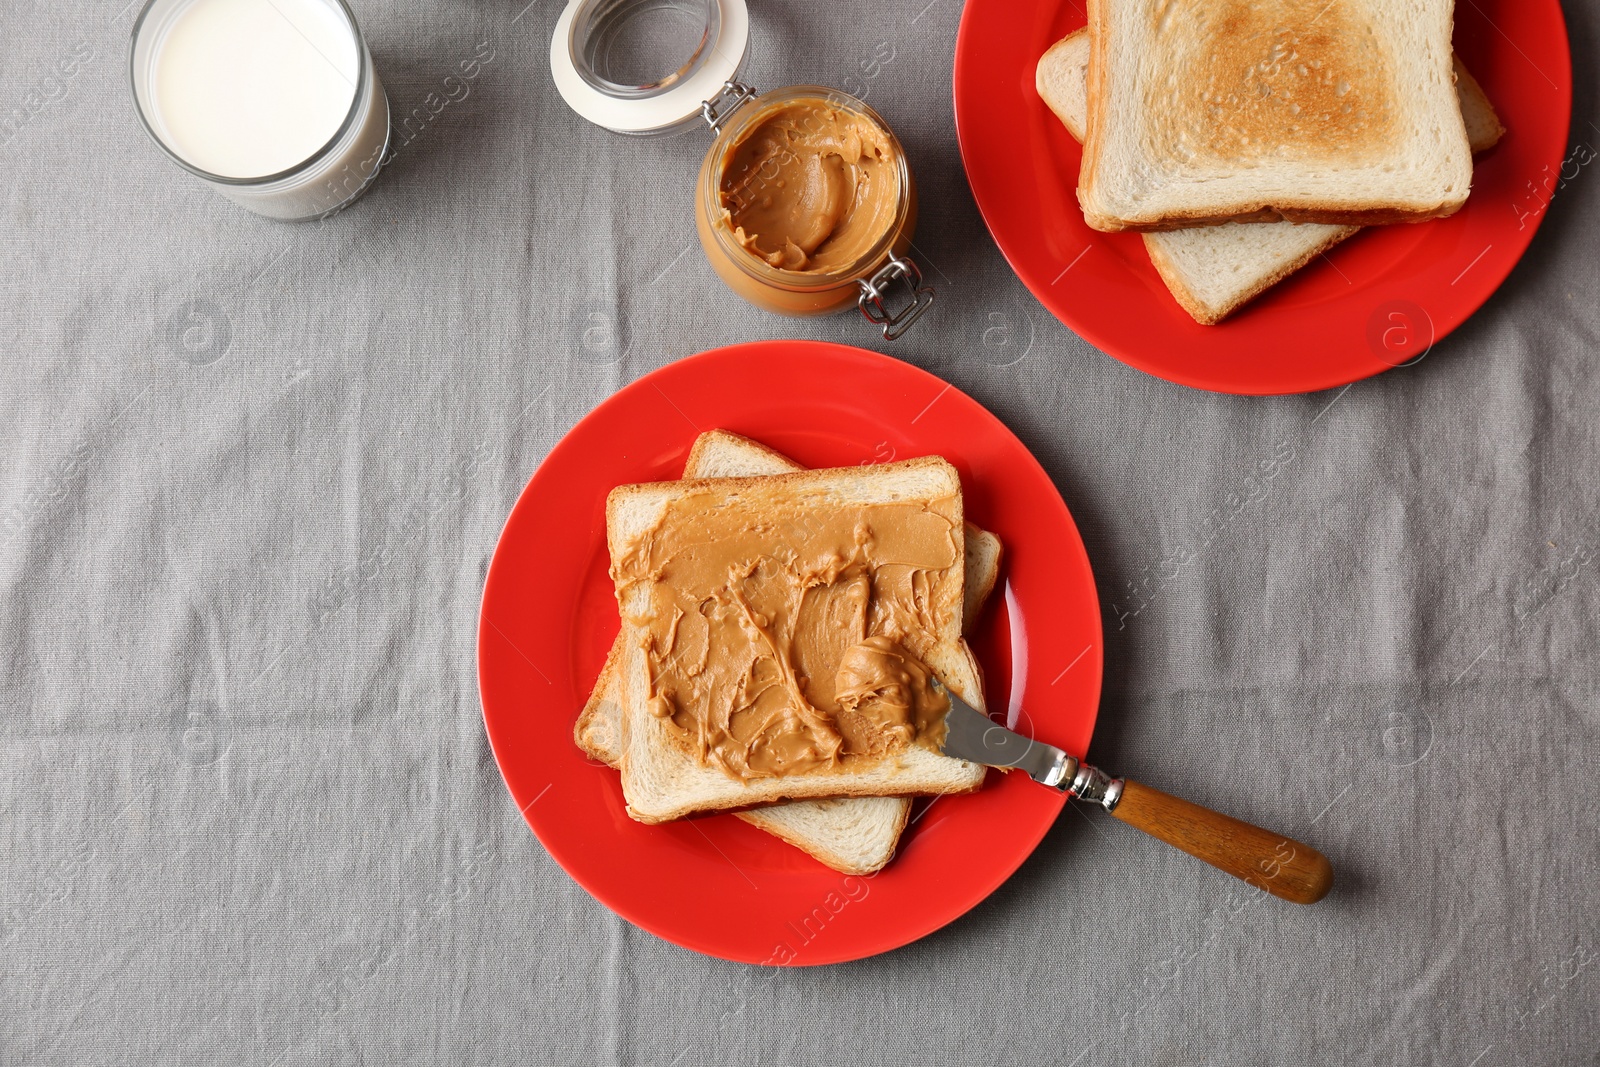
x=972, y=735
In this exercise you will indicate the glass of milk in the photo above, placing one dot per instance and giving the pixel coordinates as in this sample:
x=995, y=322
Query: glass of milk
x=273, y=103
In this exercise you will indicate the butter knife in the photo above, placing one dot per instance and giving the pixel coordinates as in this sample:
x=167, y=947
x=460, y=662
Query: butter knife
x=1279, y=865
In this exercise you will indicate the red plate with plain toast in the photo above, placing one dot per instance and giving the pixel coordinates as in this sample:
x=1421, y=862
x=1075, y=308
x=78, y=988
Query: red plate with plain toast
x=718, y=885
x=1380, y=299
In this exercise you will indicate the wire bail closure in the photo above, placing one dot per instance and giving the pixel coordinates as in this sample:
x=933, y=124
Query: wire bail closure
x=873, y=290
x=730, y=98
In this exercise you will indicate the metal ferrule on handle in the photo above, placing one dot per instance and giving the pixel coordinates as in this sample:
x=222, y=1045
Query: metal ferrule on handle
x=1083, y=782
x=1094, y=786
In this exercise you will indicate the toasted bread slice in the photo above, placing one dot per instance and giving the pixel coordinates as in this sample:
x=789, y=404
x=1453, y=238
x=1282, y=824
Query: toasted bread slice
x=661, y=780
x=1214, y=270
x=856, y=836
x=1331, y=111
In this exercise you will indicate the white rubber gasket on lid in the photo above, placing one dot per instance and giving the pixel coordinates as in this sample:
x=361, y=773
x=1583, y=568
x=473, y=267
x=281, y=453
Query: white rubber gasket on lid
x=650, y=113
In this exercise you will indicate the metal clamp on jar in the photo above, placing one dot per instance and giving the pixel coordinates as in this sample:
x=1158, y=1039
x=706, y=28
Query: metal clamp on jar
x=805, y=202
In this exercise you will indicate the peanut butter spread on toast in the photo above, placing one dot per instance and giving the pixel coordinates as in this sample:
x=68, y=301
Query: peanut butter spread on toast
x=886, y=698
x=786, y=637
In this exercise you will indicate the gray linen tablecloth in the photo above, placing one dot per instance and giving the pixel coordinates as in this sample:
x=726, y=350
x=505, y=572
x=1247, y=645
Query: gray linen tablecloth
x=248, y=813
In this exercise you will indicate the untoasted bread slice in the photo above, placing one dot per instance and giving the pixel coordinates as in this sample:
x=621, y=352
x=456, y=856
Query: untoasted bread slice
x=1062, y=81
x=1330, y=111
x=1214, y=270
x=1484, y=129
x=984, y=553
x=661, y=779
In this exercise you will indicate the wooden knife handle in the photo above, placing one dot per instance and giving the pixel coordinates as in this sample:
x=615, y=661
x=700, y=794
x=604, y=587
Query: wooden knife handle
x=1280, y=865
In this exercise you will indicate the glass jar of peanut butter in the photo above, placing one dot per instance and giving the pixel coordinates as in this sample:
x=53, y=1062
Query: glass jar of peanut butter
x=805, y=204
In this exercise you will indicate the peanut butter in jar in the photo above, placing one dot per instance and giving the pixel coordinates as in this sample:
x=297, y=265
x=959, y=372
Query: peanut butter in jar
x=804, y=196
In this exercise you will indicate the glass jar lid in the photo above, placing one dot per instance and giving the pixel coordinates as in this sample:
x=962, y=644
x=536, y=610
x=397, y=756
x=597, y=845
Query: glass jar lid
x=646, y=66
